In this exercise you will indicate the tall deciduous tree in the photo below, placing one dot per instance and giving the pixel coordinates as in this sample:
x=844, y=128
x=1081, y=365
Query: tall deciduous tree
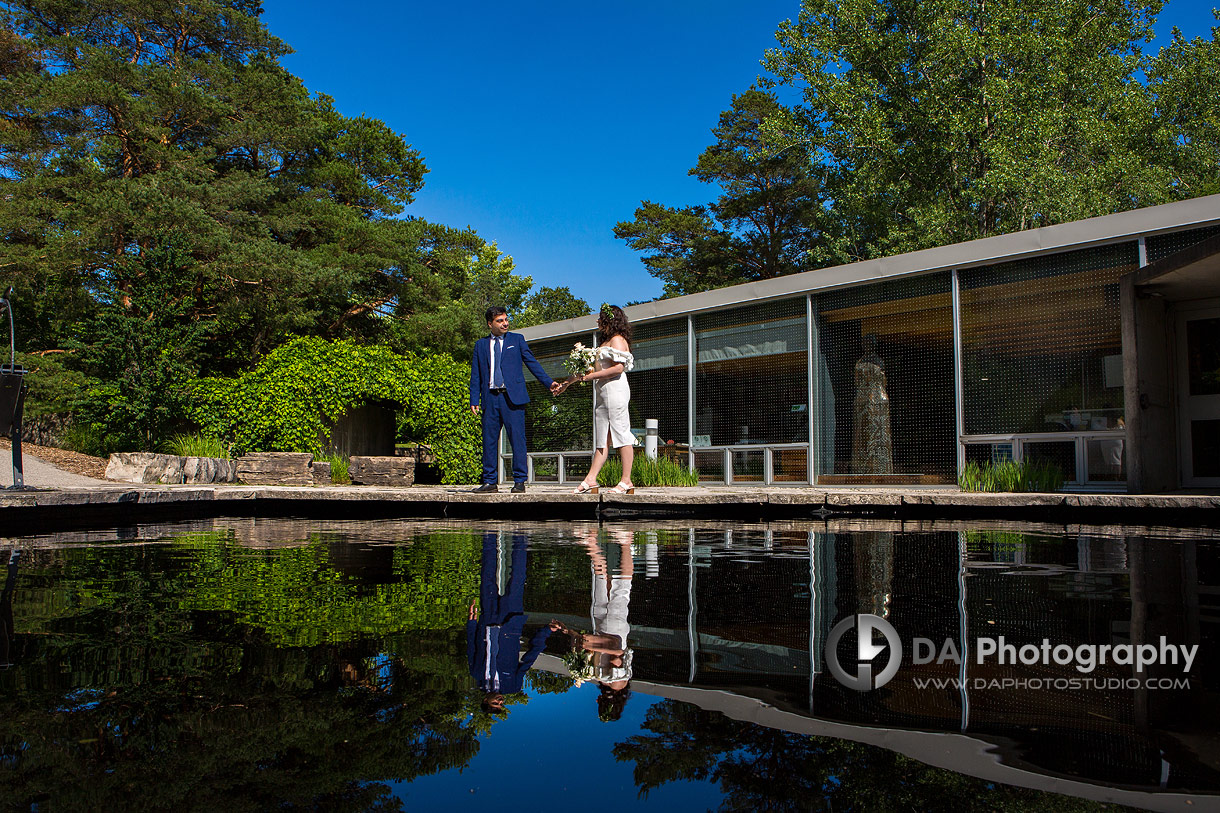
x=1185, y=81
x=762, y=225
x=948, y=120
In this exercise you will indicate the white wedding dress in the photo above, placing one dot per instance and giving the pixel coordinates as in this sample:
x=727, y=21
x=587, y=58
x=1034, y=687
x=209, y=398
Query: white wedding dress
x=611, y=397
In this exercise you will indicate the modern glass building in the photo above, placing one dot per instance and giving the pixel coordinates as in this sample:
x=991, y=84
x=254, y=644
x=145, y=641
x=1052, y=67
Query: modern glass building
x=1093, y=344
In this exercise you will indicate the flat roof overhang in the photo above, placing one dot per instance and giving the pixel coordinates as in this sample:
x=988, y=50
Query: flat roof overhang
x=1192, y=273
x=1096, y=231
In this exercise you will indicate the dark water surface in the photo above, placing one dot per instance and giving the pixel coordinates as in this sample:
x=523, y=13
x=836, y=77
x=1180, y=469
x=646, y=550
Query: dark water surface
x=254, y=664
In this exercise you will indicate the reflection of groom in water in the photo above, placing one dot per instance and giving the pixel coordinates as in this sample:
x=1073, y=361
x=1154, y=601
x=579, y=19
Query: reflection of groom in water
x=493, y=636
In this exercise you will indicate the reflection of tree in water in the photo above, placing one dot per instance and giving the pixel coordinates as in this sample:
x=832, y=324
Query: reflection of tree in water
x=128, y=695
x=764, y=769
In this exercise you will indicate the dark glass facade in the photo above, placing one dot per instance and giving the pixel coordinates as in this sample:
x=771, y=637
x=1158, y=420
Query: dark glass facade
x=884, y=382
x=1042, y=343
x=751, y=384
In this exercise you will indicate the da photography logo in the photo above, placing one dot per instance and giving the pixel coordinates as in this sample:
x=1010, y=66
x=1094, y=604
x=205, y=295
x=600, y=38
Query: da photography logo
x=867, y=652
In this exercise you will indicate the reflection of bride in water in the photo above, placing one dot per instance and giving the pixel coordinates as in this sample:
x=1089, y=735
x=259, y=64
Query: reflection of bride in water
x=603, y=655
x=871, y=448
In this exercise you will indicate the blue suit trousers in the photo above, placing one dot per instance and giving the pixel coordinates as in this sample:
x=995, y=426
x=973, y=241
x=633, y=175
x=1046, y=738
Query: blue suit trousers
x=498, y=412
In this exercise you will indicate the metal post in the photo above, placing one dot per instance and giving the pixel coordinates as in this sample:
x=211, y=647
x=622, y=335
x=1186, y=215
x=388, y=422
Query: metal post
x=958, y=373
x=690, y=389
x=812, y=392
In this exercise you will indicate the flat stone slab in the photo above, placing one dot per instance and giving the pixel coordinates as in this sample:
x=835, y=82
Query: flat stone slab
x=276, y=468
x=916, y=508
x=148, y=467
x=381, y=471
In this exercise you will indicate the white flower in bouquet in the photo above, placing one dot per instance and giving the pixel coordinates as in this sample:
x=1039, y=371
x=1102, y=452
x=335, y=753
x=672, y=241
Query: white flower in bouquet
x=580, y=360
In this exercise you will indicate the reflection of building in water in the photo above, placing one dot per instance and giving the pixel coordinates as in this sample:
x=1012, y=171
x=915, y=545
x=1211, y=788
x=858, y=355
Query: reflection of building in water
x=874, y=555
x=749, y=611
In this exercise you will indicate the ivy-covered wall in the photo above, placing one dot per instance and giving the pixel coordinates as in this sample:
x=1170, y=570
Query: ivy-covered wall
x=289, y=402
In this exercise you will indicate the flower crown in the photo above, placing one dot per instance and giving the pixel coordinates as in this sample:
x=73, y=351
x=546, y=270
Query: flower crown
x=607, y=310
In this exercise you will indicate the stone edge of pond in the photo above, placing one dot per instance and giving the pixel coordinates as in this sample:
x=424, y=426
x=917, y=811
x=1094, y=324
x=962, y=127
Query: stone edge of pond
x=44, y=510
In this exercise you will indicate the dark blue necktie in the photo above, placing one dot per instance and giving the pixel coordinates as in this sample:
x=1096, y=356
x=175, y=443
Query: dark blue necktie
x=497, y=377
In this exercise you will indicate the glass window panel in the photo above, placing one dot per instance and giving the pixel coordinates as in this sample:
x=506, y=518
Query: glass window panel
x=750, y=374
x=1162, y=245
x=1203, y=356
x=988, y=452
x=884, y=381
x=1107, y=461
x=710, y=466
x=1061, y=453
x=546, y=469
x=575, y=467
x=659, y=379
x=560, y=424
x=1041, y=342
x=1205, y=448
x=748, y=466
x=790, y=465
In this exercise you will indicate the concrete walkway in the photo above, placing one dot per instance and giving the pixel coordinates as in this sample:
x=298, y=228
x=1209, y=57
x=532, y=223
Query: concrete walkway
x=94, y=502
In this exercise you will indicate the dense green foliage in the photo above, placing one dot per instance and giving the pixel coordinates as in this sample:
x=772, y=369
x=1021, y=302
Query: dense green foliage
x=931, y=123
x=1011, y=476
x=291, y=399
x=173, y=203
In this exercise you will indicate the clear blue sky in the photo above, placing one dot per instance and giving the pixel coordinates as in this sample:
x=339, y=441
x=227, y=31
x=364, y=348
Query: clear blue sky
x=545, y=123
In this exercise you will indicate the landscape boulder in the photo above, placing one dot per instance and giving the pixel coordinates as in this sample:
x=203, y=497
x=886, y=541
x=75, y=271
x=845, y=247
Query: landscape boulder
x=149, y=467
x=382, y=471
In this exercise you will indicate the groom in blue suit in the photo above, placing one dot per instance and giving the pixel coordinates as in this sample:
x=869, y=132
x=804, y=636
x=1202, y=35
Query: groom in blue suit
x=497, y=382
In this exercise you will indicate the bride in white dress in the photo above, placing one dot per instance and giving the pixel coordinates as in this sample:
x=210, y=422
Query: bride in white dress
x=611, y=397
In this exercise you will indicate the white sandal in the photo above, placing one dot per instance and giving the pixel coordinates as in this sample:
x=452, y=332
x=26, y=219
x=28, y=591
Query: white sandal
x=623, y=488
x=585, y=488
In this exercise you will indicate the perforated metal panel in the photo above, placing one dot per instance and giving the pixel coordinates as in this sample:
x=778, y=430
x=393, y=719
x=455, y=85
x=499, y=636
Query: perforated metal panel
x=1162, y=245
x=750, y=374
x=884, y=380
x=659, y=380
x=564, y=423
x=1041, y=342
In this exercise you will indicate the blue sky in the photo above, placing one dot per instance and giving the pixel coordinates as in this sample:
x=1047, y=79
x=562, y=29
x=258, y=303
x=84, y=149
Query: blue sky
x=545, y=123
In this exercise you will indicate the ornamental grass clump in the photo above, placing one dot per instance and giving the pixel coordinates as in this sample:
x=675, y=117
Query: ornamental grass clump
x=198, y=446
x=338, y=468
x=1010, y=476
x=646, y=471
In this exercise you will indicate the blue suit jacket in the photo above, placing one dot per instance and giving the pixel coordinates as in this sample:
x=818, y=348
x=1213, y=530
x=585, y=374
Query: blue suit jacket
x=515, y=354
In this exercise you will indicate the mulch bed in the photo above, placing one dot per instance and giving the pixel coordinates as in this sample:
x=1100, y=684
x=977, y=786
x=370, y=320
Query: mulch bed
x=74, y=462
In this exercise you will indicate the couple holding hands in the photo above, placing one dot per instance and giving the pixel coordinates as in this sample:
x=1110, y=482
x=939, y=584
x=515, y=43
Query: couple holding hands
x=497, y=392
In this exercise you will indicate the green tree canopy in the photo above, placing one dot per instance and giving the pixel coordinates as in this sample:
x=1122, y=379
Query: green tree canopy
x=951, y=120
x=930, y=123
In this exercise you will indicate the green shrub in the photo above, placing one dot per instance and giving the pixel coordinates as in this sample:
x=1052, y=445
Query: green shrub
x=290, y=401
x=198, y=446
x=338, y=468
x=1009, y=476
x=648, y=472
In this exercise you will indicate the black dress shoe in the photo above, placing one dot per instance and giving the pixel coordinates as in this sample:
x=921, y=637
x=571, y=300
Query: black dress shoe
x=486, y=488
x=518, y=488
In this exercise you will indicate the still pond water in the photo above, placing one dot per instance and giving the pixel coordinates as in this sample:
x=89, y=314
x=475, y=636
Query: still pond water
x=255, y=664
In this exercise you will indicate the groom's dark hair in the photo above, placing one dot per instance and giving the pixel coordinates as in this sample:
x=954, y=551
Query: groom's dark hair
x=494, y=311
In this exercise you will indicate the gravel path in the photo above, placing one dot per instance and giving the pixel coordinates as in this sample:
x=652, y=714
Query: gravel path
x=41, y=474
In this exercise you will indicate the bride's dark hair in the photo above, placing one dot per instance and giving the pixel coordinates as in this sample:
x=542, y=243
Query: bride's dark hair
x=612, y=322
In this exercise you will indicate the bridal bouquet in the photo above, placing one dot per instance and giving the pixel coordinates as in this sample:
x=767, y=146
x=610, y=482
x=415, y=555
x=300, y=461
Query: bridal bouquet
x=580, y=360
